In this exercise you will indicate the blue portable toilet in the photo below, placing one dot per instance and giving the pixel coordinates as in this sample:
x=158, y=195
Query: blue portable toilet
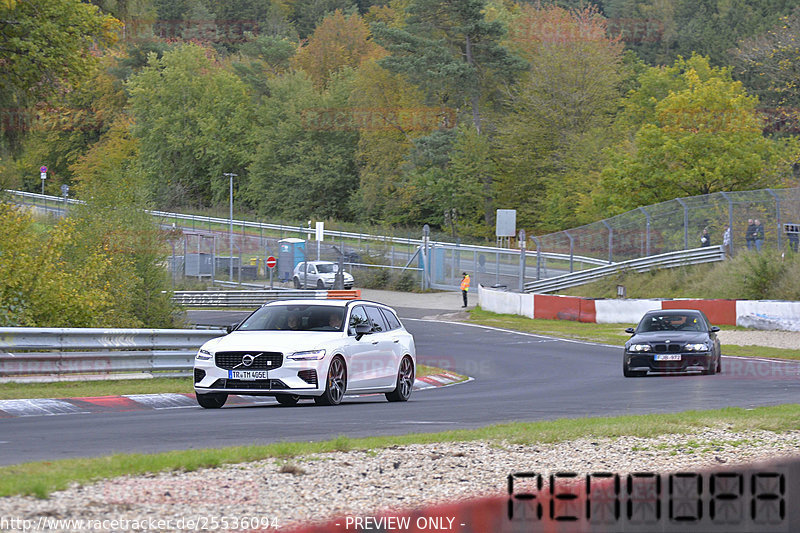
x=291, y=251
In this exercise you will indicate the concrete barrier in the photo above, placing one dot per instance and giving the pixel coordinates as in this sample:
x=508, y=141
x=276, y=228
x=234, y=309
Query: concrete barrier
x=757, y=314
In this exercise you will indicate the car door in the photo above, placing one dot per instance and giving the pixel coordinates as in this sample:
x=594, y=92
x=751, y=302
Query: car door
x=384, y=364
x=360, y=353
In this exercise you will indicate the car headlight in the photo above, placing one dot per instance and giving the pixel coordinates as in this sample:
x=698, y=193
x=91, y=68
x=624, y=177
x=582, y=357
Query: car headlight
x=639, y=348
x=204, y=355
x=311, y=355
x=700, y=347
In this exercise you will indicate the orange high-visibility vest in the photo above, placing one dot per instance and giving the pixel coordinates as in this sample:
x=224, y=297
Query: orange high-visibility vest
x=465, y=283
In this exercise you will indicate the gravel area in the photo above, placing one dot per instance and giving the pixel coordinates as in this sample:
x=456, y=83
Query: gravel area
x=774, y=339
x=361, y=483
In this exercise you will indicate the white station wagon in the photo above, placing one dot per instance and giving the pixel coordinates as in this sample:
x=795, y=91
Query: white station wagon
x=320, y=349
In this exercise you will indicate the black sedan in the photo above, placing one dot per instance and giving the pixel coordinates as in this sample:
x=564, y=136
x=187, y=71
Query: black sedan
x=674, y=340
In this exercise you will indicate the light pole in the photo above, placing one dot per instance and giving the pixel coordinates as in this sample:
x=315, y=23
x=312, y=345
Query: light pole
x=230, y=175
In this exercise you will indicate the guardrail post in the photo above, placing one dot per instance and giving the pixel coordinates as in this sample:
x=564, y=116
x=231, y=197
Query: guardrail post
x=538, y=257
x=610, y=242
x=647, y=230
x=571, y=244
x=730, y=218
x=777, y=216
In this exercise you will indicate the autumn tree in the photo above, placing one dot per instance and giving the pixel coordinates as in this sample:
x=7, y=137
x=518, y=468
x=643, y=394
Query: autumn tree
x=191, y=116
x=559, y=115
x=769, y=65
x=304, y=151
x=338, y=41
x=698, y=132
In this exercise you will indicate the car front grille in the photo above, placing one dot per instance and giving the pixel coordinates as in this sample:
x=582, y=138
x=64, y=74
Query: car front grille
x=261, y=360
x=265, y=384
x=667, y=348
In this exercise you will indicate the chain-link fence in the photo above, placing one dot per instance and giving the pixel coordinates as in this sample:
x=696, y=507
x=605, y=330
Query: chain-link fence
x=678, y=225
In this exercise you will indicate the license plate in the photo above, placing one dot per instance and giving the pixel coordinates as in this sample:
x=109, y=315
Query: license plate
x=247, y=375
x=668, y=357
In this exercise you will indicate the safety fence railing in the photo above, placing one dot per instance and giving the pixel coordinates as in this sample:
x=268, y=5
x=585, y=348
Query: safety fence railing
x=254, y=298
x=675, y=225
x=695, y=256
x=56, y=353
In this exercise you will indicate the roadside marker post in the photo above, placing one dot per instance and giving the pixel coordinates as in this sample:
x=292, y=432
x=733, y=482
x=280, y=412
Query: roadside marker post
x=271, y=263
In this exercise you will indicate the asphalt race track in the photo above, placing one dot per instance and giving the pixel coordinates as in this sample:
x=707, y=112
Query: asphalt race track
x=518, y=377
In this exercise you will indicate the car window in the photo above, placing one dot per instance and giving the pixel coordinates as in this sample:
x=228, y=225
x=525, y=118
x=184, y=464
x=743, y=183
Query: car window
x=378, y=323
x=326, y=268
x=295, y=318
x=312, y=269
x=672, y=322
x=357, y=316
x=391, y=320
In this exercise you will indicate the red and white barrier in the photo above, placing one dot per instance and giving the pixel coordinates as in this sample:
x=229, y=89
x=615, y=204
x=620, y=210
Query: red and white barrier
x=757, y=314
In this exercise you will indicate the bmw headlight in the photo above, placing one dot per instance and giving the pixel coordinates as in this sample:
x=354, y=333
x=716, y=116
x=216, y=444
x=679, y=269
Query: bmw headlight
x=700, y=347
x=639, y=348
x=312, y=355
x=204, y=355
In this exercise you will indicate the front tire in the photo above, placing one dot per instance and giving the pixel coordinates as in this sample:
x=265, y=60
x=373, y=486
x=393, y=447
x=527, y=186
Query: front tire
x=296, y=283
x=287, y=399
x=335, y=384
x=405, y=382
x=211, y=401
x=320, y=284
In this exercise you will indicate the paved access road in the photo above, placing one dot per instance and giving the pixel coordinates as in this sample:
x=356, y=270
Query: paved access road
x=518, y=377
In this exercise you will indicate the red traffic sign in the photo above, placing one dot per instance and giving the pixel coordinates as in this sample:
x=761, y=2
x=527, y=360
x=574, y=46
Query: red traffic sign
x=43, y=169
x=271, y=262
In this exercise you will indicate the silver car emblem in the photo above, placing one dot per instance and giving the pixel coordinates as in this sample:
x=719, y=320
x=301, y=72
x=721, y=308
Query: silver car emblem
x=667, y=342
x=247, y=359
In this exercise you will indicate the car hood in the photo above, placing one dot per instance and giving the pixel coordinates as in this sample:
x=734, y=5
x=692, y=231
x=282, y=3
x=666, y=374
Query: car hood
x=672, y=336
x=273, y=341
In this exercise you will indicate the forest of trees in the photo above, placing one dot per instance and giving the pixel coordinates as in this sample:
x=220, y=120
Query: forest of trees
x=402, y=112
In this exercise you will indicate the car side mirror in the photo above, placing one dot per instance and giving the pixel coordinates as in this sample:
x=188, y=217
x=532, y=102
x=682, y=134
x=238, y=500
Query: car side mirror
x=714, y=329
x=231, y=327
x=630, y=330
x=362, y=329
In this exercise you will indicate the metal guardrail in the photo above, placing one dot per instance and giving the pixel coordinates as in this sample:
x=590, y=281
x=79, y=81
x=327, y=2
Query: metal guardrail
x=708, y=254
x=57, y=352
x=254, y=298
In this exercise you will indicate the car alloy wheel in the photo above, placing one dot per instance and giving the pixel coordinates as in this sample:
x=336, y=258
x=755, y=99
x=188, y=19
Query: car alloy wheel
x=320, y=284
x=335, y=384
x=405, y=382
x=287, y=399
x=211, y=401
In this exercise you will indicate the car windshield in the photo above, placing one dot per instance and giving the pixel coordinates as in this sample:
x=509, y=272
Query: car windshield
x=327, y=268
x=295, y=318
x=671, y=322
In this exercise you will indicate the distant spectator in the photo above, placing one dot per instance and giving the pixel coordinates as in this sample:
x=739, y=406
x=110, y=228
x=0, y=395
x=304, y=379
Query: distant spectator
x=758, y=235
x=794, y=236
x=726, y=240
x=705, y=238
x=750, y=236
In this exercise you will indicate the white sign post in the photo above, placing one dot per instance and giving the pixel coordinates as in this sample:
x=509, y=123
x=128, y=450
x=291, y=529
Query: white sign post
x=43, y=175
x=320, y=236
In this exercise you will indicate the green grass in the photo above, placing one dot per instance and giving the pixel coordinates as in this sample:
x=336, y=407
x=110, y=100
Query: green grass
x=79, y=389
x=605, y=333
x=82, y=389
x=41, y=478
